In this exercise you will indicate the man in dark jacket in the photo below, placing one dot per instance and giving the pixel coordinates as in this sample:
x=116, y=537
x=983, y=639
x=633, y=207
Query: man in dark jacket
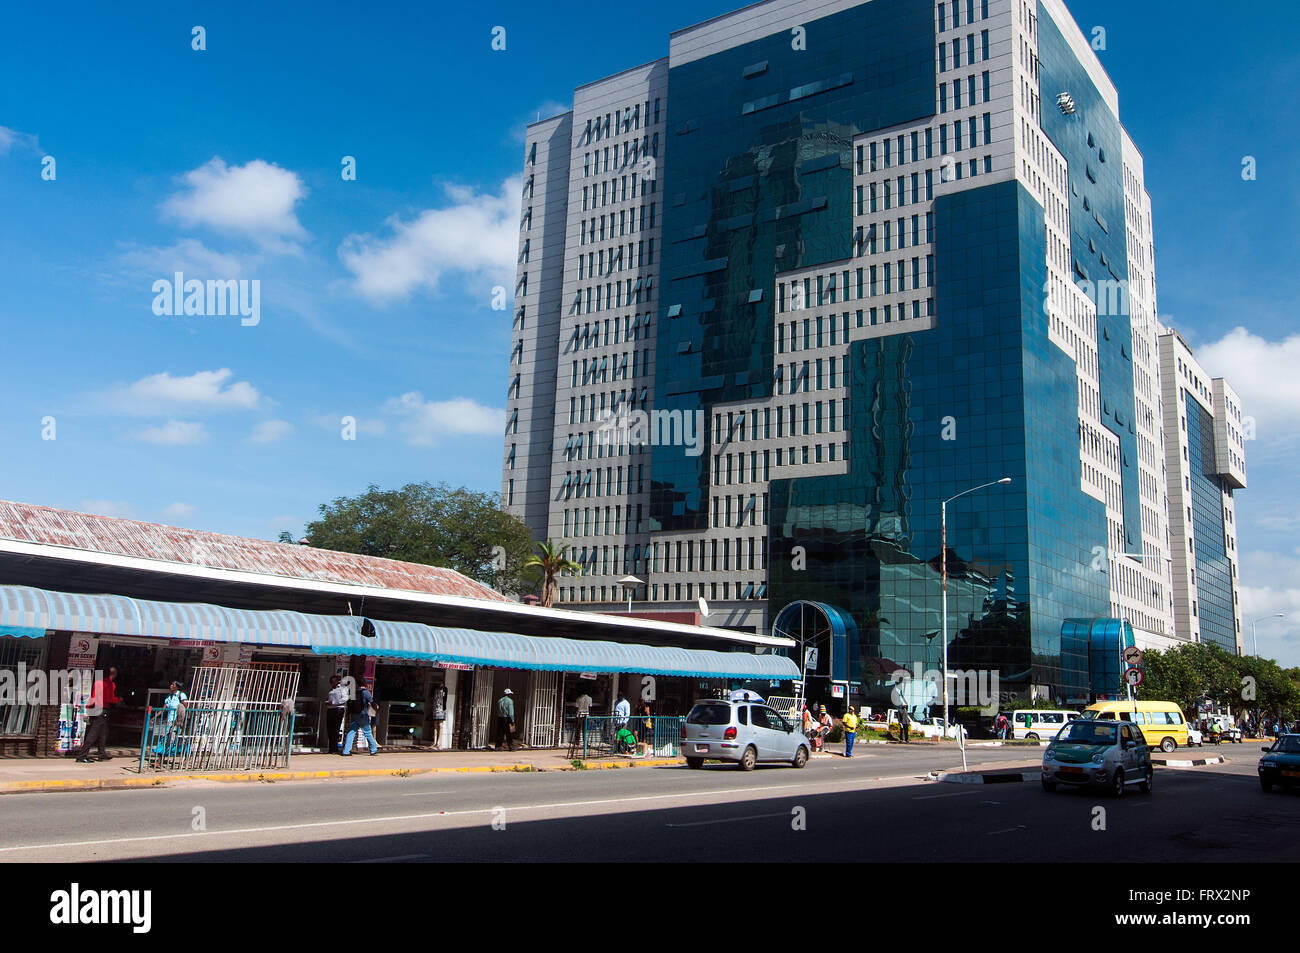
x=359, y=708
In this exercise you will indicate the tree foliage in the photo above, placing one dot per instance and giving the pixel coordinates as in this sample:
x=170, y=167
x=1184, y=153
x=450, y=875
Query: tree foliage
x=436, y=525
x=1190, y=673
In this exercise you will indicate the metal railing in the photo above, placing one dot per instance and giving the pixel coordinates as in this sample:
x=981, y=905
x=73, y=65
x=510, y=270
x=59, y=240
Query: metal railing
x=599, y=734
x=222, y=738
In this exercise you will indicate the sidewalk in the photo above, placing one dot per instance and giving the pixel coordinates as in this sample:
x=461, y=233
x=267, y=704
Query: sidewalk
x=27, y=776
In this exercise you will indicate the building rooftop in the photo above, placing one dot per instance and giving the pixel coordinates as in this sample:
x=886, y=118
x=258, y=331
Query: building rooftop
x=111, y=536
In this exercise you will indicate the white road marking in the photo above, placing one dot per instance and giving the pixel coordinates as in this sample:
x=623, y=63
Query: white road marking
x=728, y=820
x=424, y=793
x=189, y=835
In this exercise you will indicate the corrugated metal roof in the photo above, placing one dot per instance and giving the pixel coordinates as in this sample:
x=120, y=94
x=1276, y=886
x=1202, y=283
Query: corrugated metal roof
x=168, y=544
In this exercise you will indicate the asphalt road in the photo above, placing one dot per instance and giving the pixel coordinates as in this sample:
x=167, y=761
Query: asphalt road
x=877, y=807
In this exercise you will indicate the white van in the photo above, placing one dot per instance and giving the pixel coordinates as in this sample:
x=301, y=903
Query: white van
x=1035, y=724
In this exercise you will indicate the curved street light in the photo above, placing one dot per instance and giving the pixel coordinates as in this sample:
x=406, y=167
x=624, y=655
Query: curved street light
x=943, y=512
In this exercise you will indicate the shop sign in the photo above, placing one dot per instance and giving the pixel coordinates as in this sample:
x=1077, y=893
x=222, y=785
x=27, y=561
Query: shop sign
x=454, y=666
x=82, y=651
x=589, y=676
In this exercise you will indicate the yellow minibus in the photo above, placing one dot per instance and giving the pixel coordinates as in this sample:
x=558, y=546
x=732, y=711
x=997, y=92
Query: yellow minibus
x=1163, y=724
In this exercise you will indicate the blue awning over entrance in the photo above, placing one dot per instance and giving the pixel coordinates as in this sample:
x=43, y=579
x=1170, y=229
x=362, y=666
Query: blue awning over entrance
x=29, y=611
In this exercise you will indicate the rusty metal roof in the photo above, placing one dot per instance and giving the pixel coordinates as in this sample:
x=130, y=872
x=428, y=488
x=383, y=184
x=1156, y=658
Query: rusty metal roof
x=108, y=535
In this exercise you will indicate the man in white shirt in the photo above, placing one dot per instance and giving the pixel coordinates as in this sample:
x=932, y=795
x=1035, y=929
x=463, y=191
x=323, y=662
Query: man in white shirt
x=622, y=711
x=336, y=702
x=584, y=705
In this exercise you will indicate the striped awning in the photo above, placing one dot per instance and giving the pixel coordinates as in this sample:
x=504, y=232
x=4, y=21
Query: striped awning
x=509, y=650
x=28, y=611
x=31, y=612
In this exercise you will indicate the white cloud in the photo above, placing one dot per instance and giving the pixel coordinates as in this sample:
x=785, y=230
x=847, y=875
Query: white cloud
x=180, y=511
x=174, y=433
x=12, y=137
x=425, y=422
x=1263, y=373
x=255, y=200
x=476, y=236
x=189, y=256
x=271, y=431
x=162, y=393
x=107, y=508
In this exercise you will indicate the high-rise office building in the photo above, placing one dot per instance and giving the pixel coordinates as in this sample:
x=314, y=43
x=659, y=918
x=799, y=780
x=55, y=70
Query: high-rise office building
x=827, y=265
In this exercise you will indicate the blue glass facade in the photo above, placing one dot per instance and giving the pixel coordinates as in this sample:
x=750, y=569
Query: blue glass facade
x=1018, y=556
x=1092, y=143
x=1214, y=609
x=758, y=166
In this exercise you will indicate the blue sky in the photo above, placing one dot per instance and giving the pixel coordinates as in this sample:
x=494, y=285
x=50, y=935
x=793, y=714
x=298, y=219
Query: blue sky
x=376, y=293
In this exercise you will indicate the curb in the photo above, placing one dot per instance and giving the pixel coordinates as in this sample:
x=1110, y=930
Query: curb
x=1193, y=763
x=270, y=777
x=1000, y=778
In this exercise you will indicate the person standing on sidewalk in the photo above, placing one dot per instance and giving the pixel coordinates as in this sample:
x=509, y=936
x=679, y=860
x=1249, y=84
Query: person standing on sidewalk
x=359, y=707
x=850, y=723
x=904, y=724
x=506, y=720
x=337, y=704
x=102, y=695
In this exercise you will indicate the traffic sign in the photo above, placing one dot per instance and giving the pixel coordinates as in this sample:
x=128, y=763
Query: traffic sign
x=1132, y=656
x=1134, y=677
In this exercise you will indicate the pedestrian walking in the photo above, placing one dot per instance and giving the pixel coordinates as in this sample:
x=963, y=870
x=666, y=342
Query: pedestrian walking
x=904, y=724
x=850, y=723
x=362, y=709
x=1003, y=725
x=439, y=713
x=506, y=720
x=103, y=695
x=336, y=702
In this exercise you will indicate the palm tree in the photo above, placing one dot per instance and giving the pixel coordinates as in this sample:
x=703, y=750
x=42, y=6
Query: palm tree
x=551, y=560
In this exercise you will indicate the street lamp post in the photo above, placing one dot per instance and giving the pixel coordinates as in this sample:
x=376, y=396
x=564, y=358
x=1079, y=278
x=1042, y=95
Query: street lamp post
x=1254, y=636
x=630, y=583
x=943, y=559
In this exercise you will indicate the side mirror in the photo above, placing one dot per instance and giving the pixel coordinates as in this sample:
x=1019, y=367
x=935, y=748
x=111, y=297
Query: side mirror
x=1266, y=748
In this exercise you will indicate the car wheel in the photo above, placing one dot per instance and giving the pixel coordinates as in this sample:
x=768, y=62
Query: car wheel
x=1168, y=745
x=1117, y=783
x=1145, y=784
x=694, y=762
x=800, y=757
x=1266, y=785
x=748, y=759
x=1049, y=786
x=1031, y=737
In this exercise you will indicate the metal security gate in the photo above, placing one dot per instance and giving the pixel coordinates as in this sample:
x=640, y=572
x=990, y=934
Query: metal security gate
x=480, y=715
x=542, y=731
x=235, y=717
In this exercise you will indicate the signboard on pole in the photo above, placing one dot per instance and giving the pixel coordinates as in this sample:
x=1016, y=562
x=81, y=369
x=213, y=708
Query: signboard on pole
x=1134, y=677
x=1132, y=656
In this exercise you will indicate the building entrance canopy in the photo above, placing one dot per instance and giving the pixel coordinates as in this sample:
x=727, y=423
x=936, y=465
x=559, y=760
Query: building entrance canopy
x=30, y=612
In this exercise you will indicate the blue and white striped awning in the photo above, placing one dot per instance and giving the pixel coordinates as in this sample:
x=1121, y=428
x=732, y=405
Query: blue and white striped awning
x=25, y=611
x=31, y=612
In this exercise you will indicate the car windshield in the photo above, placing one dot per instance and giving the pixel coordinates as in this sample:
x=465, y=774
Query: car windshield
x=1288, y=744
x=1088, y=715
x=1088, y=733
x=710, y=714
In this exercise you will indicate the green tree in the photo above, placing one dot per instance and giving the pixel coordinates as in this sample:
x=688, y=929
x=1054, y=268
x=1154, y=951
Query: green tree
x=436, y=525
x=551, y=561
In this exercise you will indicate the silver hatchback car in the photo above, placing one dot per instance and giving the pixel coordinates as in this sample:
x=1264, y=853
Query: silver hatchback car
x=1101, y=753
x=743, y=732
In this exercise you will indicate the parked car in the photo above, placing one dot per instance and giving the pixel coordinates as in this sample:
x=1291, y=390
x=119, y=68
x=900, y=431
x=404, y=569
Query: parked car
x=1032, y=724
x=1194, y=737
x=742, y=732
x=925, y=727
x=1107, y=754
x=1281, y=763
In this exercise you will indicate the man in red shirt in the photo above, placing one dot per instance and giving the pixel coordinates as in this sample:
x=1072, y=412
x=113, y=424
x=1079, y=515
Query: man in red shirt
x=102, y=696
